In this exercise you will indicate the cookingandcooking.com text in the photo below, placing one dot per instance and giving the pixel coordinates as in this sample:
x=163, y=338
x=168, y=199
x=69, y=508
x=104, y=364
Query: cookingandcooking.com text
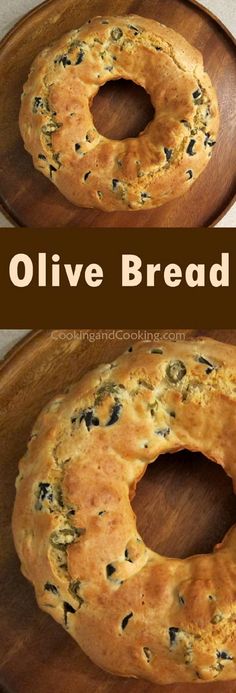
x=116, y=335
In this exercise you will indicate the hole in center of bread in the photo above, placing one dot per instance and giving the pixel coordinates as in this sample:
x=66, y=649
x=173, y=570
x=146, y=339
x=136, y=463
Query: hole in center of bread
x=184, y=504
x=121, y=109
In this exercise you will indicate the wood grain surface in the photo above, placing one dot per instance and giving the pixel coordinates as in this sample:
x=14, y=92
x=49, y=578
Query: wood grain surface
x=184, y=504
x=31, y=200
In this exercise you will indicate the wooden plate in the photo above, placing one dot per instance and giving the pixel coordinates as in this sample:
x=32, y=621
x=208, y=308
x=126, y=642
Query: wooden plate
x=35, y=652
x=31, y=200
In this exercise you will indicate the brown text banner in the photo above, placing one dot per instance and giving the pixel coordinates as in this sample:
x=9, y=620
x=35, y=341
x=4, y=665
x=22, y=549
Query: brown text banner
x=74, y=278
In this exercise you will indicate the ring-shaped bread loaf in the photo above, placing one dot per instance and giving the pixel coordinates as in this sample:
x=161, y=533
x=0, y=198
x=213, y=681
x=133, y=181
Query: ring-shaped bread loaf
x=134, y=612
x=91, y=170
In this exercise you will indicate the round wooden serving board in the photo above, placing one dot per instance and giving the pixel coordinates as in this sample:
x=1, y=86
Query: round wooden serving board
x=184, y=504
x=29, y=199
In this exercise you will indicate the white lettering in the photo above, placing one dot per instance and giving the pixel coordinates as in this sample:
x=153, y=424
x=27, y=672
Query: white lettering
x=173, y=275
x=219, y=273
x=21, y=259
x=131, y=275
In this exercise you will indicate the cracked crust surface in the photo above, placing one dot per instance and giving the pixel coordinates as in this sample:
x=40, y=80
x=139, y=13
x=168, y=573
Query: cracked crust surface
x=134, y=612
x=136, y=173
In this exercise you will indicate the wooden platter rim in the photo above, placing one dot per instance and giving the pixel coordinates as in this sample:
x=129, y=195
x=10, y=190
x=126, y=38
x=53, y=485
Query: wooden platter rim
x=42, y=5
x=4, y=209
x=34, y=336
x=17, y=224
x=16, y=349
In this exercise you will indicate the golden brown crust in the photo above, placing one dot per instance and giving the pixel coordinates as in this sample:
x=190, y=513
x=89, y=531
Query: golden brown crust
x=134, y=612
x=89, y=169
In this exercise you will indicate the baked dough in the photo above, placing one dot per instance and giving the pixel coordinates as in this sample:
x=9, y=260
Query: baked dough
x=134, y=612
x=136, y=173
